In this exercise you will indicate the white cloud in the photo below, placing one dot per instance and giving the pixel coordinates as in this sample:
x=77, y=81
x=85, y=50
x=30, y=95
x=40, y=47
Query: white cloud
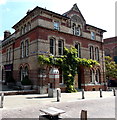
x=3, y=2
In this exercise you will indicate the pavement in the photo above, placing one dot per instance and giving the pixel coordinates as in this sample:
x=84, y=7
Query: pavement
x=28, y=106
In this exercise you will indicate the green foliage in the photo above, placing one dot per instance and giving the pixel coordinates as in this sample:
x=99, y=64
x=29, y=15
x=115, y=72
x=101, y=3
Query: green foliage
x=111, y=68
x=69, y=63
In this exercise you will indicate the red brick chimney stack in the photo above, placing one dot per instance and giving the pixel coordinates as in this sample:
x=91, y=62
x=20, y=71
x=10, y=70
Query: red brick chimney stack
x=7, y=33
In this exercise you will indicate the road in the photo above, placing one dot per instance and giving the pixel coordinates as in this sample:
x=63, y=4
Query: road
x=96, y=108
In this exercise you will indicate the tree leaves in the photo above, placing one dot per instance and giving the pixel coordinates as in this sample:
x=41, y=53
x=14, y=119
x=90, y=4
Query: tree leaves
x=111, y=68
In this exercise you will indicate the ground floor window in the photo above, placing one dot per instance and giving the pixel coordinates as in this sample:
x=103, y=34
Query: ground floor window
x=92, y=76
x=21, y=74
x=95, y=76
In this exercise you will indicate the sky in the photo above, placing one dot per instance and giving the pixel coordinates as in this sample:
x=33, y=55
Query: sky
x=99, y=13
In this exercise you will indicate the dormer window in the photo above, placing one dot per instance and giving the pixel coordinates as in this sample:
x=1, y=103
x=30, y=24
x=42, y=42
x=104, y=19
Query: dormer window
x=92, y=35
x=76, y=29
x=56, y=25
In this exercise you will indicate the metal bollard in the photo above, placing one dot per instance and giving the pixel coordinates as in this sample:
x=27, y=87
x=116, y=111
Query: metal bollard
x=58, y=96
x=100, y=92
x=2, y=98
x=83, y=94
x=114, y=92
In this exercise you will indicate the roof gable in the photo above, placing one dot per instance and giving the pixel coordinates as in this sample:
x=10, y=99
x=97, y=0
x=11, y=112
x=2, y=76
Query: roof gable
x=74, y=10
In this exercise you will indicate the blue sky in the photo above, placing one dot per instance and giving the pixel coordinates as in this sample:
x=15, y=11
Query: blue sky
x=99, y=13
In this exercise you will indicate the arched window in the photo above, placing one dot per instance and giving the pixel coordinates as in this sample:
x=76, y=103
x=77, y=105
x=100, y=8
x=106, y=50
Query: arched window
x=77, y=46
x=26, y=48
x=21, y=74
x=52, y=46
x=60, y=47
x=92, y=76
x=26, y=71
x=74, y=28
x=97, y=76
x=22, y=49
x=107, y=52
x=78, y=30
x=92, y=52
x=97, y=53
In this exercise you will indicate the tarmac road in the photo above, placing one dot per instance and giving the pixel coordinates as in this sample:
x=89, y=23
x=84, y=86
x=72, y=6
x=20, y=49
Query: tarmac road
x=28, y=106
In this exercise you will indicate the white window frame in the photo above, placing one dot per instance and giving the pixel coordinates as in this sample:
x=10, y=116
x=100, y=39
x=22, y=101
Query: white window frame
x=97, y=76
x=22, y=49
x=78, y=50
x=93, y=36
x=56, y=25
x=92, y=76
x=78, y=31
x=52, y=47
x=91, y=52
x=60, y=47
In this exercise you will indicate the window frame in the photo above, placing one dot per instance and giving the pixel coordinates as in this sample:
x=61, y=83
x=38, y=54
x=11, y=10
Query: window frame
x=97, y=53
x=93, y=36
x=78, y=47
x=60, y=47
x=52, y=46
x=56, y=25
x=91, y=52
x=26, y=48
x=22, y=49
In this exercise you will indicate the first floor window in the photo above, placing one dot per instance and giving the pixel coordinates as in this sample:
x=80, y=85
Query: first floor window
x=26, y=48
x=97, y=54
x=77, y=46
x=52, y=46
x=60, y=47
x=92, y=35
x=56, y=25
x=22, y=49
x=91, y=52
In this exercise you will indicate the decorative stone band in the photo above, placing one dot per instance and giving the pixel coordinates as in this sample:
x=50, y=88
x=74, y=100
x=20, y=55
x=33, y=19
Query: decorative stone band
x=92, y=84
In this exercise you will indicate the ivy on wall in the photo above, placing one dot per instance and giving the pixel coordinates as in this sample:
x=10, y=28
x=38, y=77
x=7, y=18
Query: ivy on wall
x=69, y=63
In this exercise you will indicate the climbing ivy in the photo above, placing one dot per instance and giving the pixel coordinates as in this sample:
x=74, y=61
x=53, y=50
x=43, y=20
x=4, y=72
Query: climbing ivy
x=69, y=63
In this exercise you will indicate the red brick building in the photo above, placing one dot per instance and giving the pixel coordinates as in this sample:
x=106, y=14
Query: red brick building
x=110, y=47
x=45, y=32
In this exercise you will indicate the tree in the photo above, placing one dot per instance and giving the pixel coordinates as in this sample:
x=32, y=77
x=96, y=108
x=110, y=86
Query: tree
x=69, y=63
x=111, y=68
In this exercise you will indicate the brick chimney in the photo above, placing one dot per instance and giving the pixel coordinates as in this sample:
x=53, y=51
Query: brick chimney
x=7, y=33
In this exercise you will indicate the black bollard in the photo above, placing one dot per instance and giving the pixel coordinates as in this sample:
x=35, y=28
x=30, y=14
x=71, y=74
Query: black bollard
x=114, y=93
x=83, y=94
x=100, y=92
x=58, y=96
x=2, y=98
